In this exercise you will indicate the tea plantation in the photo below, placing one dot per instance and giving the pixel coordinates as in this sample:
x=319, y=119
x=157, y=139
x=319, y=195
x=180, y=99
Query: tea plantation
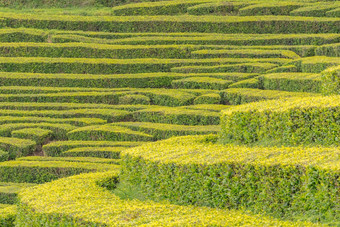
x=169, y=113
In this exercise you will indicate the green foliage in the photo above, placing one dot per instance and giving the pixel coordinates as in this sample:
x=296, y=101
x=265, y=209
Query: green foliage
x=210, y=98
x=57, y=148
x=219, y=8
x=108, y=132
x=330, y=81
x=163, y=131
x=281, y=181
x=201, y=83
x=310, y=120
x=21, y=171
x=4, y=156
x=40, y=136
x=79, y=199
x=17, y=147
x=271, y=8
x=134, y=100
x=235, y=96
x=248, y=83
x=297, y=82
x=9, y=191
x=177, y=115
x=7, y=215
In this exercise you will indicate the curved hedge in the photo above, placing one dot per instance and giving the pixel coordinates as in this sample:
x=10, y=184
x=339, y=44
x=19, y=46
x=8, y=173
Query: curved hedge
x=283, y=181
x=330, y=81
x=310, y=120
x=80, y=201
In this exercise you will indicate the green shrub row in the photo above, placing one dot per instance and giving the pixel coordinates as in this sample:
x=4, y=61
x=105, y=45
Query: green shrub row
x=211, y=98
x=201, y=83
x=17, y=147
x=177, y=115
x=330, y=81
x=44, y=171
x=271, y=8
x=57, y=148
x=297, y=82
x=69, y=159
x=284, y=69
x=216, y=8
x=163, y=97
x=59, y=130
x=245, y=53
x=109, y=115
x=287, y=182
x=8, y=215
x=163, y=131
x=186, y=23
x=248, y=83
x=235, y=96
x=315, y=64
x=111, y=66
x=155, y=8
x=143, y=80
x=333, y=13
x=207, y=107
x=99, y=152
x=241, y=68
x=302, y=43
x=318, y=9
x=71, y=121
x=309, y=120
x=9, y=191
x=331, y=50
x=40, y=136
x=108, y=133
x=94, y=50
x=81, y=201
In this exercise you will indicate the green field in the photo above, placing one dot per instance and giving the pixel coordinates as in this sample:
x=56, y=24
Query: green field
x=169, y=113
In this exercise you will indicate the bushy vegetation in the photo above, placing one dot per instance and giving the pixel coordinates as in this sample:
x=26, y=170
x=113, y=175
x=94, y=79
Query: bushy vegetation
x=169, y=113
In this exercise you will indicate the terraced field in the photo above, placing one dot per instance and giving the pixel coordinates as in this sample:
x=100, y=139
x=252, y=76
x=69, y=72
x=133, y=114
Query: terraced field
x=95, y=95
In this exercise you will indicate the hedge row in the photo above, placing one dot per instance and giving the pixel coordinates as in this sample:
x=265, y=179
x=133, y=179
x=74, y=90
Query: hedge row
x=91, y=205
x=235, y=96
x=143, y=80
x=95, y=50
x=271, y=8
x=8, y=215
x=69, y=159
x=318, y=9
x=211, y=98
x=163, y=131
x=111, y=66
x=59, y=130
x=207, y=107
x=330, y=81
x=243, y=41
x=298, y=82
x=71, y=121
x=66, y=106
x=40, y=136
x=245, y=53
x=287, y=182
x=216, y=8
x=284, y=69
x=201, y=83
x=109, y=115
x=163, y=97
x=155, y=8
x=333, y=13
x=4, y=156
x=310, y=120
x=9, y=191
x=331, y=50
x=248, y=83
x=17, y=147
x=177, y=115
x=109, y=133
x=186, y=23
x=57, y=148
x=44, y=171
x=315, y=64
x=99, y=152
x=240, y=68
